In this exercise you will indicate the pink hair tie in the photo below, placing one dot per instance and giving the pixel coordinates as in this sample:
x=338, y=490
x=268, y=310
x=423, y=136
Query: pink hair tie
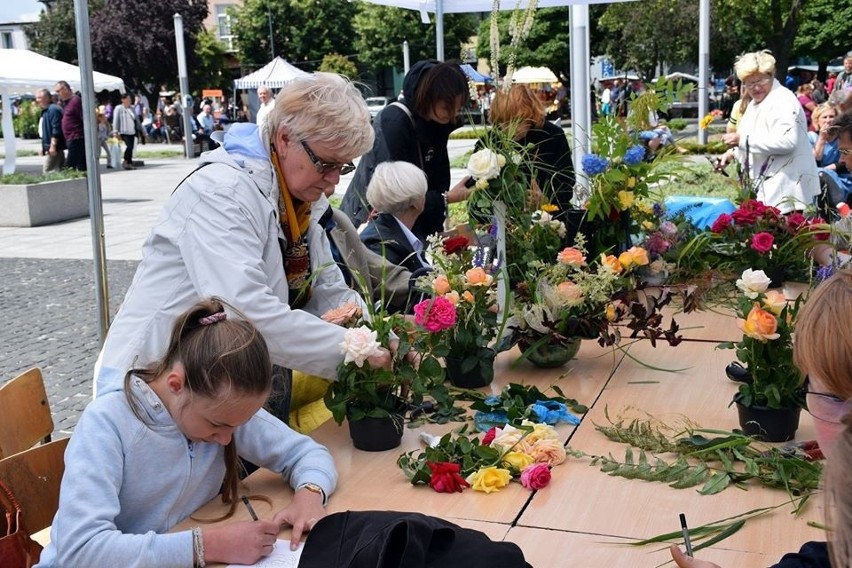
x=212, y=318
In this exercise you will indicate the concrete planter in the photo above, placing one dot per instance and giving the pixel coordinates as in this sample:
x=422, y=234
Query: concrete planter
x=43, y=203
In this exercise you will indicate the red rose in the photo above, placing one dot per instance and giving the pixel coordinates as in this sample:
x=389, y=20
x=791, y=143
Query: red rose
x=446, y=477
x=744, y=216
x=817, y=231
x=721, y=223
x=762, y=242
x=796, y=220
x=455, y=244
x=489, y=436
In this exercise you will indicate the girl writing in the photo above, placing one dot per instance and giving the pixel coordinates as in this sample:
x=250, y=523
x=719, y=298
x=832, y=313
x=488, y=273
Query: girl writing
x=142, y=460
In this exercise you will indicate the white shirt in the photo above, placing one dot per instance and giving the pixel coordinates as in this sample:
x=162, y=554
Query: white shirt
x=263, y=111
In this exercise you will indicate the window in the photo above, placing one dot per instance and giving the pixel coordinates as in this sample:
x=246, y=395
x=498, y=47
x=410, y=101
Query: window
x=6, y=39
x=223, y=26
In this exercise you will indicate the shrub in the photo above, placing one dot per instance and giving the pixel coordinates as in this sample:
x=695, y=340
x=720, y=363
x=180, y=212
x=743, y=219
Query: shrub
x=26, y=122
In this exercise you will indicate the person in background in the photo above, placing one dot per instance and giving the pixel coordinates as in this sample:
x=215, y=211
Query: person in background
x=521, y=115
x=819, y=94
x=772, y=138
x=72, y=126
x=103, y=135
x=244, y=225
x=52, y=141
x=398, y=193
x=142, y=460
x=416, y=130
x=207, y=123
x=844, y=78
x=124, y=122
x=833, y=173
x=821, y=352
x=264, y=93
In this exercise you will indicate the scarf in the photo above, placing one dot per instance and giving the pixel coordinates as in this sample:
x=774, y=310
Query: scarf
x=295, y=218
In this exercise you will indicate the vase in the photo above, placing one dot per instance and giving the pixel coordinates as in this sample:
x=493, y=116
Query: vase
x=550, y=354
x=769, y=424
x=376, y=434
x=480, y=375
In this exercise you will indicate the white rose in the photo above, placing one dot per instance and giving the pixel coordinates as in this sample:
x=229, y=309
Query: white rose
x=483, y=165
x=481, y=183
x=753, y=283
x=559, y=228
x=501, y=160
x=359, y=344
x=542, y=217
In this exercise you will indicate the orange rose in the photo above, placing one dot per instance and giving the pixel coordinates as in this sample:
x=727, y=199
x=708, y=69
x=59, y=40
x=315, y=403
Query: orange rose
x=634, y=256
x=612, y=263
x=441, y=285
x=759, y=324
x=477, y=276
x=572, y=256
x=468, y=297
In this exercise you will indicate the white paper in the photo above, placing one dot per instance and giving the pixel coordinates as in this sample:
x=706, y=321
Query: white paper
x=281, y=557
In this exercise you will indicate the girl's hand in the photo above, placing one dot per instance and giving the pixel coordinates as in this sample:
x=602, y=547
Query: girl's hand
x=732, y=139
x=684, y=561
x=243, y=542
x=302, y=514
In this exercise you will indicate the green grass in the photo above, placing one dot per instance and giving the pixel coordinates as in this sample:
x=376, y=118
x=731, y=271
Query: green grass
x=23, y=178
x=24, y=153
x=177, y=152
x=698, y=180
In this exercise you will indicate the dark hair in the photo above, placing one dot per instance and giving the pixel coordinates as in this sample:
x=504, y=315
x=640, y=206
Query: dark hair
x=442, y=83
x=218, y=353
x=842, y=124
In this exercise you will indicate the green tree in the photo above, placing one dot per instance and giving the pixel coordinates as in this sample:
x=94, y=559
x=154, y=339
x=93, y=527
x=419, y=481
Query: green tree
x=54, y=34
x=381, y=30
x=336, y=63
x=823, y=31
x=303, y=31
x=547, y=45
x=211, y=70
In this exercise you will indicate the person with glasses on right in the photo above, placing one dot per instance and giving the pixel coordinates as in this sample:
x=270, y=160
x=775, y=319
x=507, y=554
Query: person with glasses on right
x=771, y=140
x=823, y=353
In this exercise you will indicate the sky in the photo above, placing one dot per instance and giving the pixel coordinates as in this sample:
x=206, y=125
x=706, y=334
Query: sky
x=19, y=10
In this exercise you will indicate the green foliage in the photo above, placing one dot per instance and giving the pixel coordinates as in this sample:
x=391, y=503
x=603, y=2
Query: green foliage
x=454, y=447
x=211, y=60
x=677, y=124
x=336, y=63
x=26, y=121
x=823, y=29
x=515, y=400
x=23, y=178
x=54, y=35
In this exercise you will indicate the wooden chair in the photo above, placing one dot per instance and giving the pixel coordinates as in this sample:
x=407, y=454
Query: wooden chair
x=25, y=418
x=34, y=476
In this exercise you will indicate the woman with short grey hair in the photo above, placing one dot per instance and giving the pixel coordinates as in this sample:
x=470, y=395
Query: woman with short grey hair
x=398, y=192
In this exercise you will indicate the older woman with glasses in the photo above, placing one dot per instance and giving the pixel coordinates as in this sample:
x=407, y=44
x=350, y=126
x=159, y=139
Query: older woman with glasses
x=823, y=352
x=244, y=226
x=771, y=140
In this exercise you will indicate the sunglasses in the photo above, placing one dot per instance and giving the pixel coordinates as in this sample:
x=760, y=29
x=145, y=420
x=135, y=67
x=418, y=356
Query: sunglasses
x=325, y=167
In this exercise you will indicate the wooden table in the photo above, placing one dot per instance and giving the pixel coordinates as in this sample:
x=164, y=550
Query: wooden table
x=585, y=517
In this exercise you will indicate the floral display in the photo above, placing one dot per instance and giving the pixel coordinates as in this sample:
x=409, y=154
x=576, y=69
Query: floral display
x=710, y=117
x=457, y=461
x=766, y=319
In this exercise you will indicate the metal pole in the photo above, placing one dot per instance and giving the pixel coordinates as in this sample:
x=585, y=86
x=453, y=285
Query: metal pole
x=580, y=112
x=439, y=29
x=93, y=178
x=406, y=57
x=271, y=39
x=186, y=100
x=703, y=63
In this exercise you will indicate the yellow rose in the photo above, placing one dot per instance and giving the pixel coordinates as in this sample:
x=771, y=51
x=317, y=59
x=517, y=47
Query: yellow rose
x=572, y=256
x=631, y=182
x=477, y=276
x=453, y=297
x=549, y=208
x=540, y=432
x=774, y=301
x=625, y=199
x=551, y=452
x=489, y=479
x=441, y=285
x=517, y=460
x=632, y=257
x=759, y=324
x=468, y=297
x=612, y=263
x=610, y=312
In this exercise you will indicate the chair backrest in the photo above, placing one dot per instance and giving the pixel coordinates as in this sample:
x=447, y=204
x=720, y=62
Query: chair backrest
x=34, y=476
x=25, y=416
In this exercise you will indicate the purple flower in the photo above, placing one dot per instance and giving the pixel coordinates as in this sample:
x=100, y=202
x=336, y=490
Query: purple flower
x=825, y=272
x=658, y=210
x=657, y=244
x=594, y=164
x=668, y=228
x=633, y=155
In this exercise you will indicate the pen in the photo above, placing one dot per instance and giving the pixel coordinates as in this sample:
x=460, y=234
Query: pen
x=254, y=515
x=686, y=541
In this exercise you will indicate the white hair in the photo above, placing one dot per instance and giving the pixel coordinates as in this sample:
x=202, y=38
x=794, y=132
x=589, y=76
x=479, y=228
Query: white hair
x=396, y=186
x=749, y=64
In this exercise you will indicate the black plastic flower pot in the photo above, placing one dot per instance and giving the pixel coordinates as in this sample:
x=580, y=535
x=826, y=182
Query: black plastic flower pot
x=769, y=424
x=376, y=434
x=479, y=376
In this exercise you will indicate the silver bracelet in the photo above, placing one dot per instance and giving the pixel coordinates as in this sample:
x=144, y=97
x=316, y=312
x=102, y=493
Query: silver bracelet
x=198, y=548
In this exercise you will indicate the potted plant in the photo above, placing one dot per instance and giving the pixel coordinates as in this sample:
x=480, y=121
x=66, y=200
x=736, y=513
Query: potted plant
x=770, y=402
x=374, y=400
x=460, y=319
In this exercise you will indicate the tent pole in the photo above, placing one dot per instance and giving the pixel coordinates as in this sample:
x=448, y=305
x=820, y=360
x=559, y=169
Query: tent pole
x=439, y=29
x=580, y=112
x=93, y=178
x=186, y=98
x=703, y=63
x=8, y=134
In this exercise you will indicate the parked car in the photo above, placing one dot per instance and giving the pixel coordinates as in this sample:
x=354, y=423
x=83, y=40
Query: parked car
x=375, y=105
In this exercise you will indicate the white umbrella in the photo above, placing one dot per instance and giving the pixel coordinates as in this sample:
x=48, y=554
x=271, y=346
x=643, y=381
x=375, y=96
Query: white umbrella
x=534, y=75
x=274, y=75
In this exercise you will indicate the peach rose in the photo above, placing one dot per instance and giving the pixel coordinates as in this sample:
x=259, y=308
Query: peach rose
x=468, y=297
x=759, y=324
x=441, y=285
x=489, y=479
x=549, y=451
x=570, y=293
x=774, y=301
x=477, y=276
x=612, y=263
x=453, y=297
x=572, y=256
x=507, y=436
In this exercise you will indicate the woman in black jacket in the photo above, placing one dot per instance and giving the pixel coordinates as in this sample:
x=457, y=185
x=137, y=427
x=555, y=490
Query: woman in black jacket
x=416, y=131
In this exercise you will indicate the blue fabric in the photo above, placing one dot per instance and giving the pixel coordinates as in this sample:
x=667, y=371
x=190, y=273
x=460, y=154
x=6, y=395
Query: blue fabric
x=701, y=211
x=484, y=421
x=242, y=138
x=552, y=412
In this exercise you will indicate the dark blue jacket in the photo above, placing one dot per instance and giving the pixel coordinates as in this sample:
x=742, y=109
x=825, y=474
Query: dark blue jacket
x=384, y=237
x=51, y=127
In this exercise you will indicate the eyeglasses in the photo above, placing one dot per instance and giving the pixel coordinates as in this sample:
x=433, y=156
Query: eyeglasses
x=325, y=167
x=825, y=406
x=758, y=83
x=844, y=151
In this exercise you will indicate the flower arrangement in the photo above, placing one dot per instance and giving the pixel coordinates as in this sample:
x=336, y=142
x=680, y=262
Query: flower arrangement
x=766, y=320
x=457, y=461
x=758, y=236
x=710, y=118
x=460, y=319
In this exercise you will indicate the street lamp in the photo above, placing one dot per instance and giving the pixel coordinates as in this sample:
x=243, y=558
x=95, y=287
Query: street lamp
x=271, y=40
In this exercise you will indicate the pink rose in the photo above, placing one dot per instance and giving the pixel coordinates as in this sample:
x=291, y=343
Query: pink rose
x=762, y=242
x=536, y=476
x=796, y=219
x=435, y=315
x=489, y=436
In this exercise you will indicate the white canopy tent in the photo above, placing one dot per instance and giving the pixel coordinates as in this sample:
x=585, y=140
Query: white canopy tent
x=274, y=75
x=24, y=71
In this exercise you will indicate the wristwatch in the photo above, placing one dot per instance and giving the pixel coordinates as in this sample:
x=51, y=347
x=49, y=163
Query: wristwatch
x=313, y=488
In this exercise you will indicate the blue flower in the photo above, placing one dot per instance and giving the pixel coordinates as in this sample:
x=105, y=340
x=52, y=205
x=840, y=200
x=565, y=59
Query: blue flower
x=634, y=155
x=594, y=164
x=825, y=272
